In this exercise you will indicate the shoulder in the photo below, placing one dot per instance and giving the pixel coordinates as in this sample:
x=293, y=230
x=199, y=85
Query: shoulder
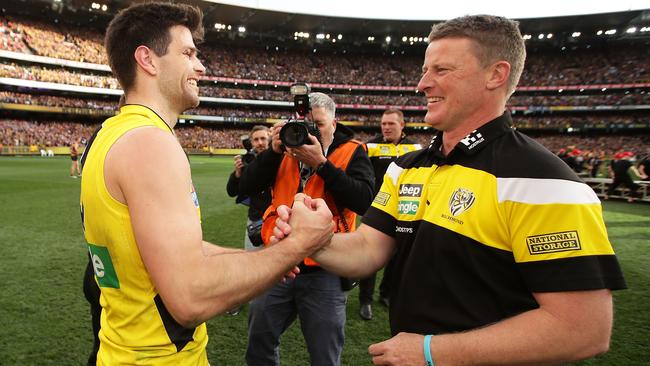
x=517, y=155
x=415, y=159
x=375, y=140
x=148, y=147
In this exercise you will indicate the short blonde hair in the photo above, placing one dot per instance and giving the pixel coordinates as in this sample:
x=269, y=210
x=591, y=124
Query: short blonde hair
x=498, y=39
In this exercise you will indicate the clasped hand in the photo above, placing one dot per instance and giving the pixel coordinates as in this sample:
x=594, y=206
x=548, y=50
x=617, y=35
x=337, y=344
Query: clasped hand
x=309, y=220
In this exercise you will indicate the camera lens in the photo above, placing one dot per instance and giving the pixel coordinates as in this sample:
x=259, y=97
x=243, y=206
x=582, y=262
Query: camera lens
x=294, y=134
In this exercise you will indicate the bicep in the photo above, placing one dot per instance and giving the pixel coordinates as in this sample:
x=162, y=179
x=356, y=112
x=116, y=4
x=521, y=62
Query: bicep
x=157, y=188
x=579, y=309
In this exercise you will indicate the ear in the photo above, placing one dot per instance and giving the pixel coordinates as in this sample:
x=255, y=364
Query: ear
x=144, y=57
x=498, y=75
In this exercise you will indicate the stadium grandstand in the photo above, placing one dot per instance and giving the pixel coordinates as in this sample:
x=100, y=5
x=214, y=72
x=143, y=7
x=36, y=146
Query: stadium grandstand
x=584, y=94
x=585, y=89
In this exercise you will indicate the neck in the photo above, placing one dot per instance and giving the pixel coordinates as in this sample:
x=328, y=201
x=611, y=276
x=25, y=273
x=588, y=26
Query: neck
x=157, y=103
x=451, y=138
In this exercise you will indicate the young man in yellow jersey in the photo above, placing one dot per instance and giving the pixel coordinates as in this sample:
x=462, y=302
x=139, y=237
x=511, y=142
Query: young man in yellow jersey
x=159, y=280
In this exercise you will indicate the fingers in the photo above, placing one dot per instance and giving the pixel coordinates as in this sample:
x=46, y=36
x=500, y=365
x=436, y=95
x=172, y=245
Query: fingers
x=376, y=349
x=284, y=212
x=299, y=198
x=293, y=152
x=281, y=229
x=314, y=140
x=295, y=271
x=318, y=204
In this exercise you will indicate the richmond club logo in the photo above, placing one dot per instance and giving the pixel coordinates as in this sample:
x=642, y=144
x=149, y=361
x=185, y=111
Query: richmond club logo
x=461, y=200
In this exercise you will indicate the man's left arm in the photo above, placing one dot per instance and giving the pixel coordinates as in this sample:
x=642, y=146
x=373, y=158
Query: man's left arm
x=568, y=326
x=354, y=186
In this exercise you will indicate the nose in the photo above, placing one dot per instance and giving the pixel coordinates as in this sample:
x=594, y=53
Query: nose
x=424, y=83
x=198, y=67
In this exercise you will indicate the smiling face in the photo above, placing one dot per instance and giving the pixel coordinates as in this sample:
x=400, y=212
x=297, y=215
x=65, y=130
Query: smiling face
x=180, y=70
x=454, y=83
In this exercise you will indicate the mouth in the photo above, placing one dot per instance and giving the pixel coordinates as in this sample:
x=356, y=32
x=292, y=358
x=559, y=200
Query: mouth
x=193, y=82
x=433, y=100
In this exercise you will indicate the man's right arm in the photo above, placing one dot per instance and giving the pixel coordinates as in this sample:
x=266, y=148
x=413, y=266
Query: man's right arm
x=196, y=284
x=356, y=254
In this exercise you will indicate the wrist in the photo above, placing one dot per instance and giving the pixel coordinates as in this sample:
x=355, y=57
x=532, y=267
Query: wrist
x=427, y=350
x=320, y=166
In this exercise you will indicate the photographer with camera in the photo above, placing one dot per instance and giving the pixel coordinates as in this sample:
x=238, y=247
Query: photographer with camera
x=257, y=142
x=317, y=156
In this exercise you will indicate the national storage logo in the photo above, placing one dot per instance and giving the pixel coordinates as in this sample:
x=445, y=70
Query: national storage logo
x=554, y=242
x=408, y=207
x=410, y=190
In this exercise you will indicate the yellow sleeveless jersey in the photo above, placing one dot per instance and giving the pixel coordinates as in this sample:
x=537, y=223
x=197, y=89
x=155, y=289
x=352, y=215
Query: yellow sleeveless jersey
x=136, y=328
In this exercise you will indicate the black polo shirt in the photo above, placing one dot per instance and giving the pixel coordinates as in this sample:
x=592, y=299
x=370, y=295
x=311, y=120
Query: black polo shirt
x=480, y=230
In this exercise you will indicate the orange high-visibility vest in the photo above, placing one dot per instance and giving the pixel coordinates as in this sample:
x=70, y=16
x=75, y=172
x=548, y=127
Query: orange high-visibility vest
x=287, y=182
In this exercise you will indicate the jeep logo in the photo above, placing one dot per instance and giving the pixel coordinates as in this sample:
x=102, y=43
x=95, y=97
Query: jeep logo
x=410, y=190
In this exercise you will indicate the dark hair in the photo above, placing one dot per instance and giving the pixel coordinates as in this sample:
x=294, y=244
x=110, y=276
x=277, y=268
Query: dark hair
x=148, y=25
x=497, y=39
x=396, y=111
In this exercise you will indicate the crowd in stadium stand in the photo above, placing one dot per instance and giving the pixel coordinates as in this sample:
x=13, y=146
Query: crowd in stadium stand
x=43, y=133
x=11, y=38
x=56, y=101
x=51, y=133
x=58, y=41
x=515, y=101
x=579, y=120
x=57, y=75
x=568, y=67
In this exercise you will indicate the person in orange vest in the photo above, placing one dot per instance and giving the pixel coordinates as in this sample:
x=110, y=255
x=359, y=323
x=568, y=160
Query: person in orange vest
x=336, y=168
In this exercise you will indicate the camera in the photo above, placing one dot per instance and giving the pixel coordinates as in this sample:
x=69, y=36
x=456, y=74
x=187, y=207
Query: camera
x=296, y=132
x=249, y=156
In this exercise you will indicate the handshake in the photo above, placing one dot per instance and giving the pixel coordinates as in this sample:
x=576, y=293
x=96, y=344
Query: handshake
x=308, y=221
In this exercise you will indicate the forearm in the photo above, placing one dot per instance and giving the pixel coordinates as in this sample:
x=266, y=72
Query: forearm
x=538, y=337
x=352, y=255
x=213, y=249
x=223, y=280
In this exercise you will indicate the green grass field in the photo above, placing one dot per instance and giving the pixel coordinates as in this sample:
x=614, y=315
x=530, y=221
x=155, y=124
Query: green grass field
x=44, y=318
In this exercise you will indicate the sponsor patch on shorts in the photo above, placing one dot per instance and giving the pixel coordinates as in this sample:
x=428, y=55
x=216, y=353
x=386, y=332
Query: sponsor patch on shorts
x=554, y=242
x=382, y=198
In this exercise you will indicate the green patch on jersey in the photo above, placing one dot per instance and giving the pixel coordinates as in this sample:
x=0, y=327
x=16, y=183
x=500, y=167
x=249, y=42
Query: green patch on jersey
x=103, y=266
x=408, y=207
